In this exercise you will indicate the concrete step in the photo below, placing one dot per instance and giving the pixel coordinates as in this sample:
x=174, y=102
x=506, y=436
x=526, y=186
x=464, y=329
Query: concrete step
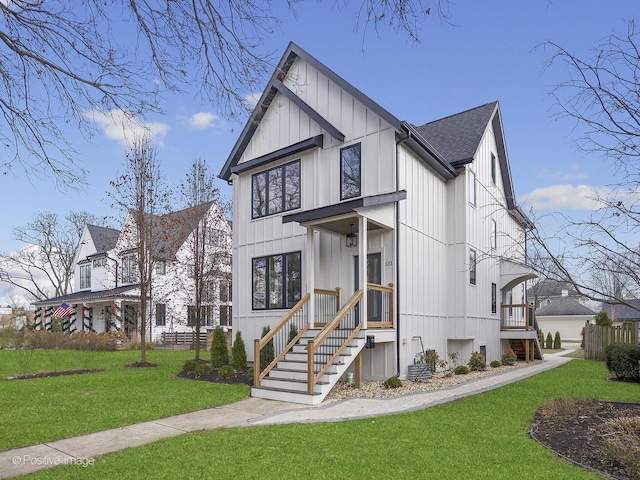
x=293, y=385
x=287, y=396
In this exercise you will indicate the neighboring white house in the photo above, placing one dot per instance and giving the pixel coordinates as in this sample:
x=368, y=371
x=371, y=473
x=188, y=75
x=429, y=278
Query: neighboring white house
x=324, y=177
x=106, y=293
x=564, y=315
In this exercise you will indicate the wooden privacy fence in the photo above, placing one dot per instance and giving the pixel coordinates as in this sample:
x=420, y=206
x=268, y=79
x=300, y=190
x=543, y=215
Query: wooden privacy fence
x=597, y=338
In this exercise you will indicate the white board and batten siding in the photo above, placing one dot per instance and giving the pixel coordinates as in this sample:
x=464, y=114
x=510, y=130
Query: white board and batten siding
x=285, y=124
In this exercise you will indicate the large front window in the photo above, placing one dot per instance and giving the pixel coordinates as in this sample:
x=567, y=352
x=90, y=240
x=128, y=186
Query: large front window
x=276, y=281
x=85, y=276
x=275, y=190
x=350, y=172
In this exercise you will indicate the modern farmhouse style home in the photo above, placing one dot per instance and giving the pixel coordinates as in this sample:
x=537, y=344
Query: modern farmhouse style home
x=363, y=241
x=106, y=293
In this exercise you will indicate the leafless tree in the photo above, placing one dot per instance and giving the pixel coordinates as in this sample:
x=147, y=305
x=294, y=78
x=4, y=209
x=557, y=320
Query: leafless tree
x=62, y=61
x=208, y=244
x=600, y=254
x=44, y=267
x=141, y=192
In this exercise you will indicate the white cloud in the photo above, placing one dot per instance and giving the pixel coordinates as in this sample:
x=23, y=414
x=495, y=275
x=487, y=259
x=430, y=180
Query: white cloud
x=124, y=128
x=574, y=172
x=203, y=120
x=561, y=197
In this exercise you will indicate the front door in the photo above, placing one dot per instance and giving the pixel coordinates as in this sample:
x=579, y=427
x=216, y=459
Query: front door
x=374, y=275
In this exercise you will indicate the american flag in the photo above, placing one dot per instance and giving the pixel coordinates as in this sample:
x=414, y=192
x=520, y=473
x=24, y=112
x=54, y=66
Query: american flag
x=63, y=311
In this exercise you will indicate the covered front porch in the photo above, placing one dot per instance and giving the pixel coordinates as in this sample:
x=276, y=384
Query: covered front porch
x=345, y=320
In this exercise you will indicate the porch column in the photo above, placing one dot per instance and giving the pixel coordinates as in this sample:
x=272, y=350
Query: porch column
x=362, y=258
x=310, y=263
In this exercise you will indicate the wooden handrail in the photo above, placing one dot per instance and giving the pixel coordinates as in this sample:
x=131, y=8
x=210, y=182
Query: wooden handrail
x=312, y=378
x=272, y=333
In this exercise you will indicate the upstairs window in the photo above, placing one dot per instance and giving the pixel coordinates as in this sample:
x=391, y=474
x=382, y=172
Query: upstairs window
x=275, y=190
x=494, y=298
x=494, y=235
x=161, y=267
x=472, y=266
x=472, y=188
x=99, y=262
x=350, y=171
x=129, y=269
x=85, y=276
x=225, y=292
x=493, y=168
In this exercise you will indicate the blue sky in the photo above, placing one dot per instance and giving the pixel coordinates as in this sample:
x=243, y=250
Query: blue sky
x=487, y=54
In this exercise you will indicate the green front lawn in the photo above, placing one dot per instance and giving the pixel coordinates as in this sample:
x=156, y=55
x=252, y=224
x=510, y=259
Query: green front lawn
x=484, y=436
x=39, y=410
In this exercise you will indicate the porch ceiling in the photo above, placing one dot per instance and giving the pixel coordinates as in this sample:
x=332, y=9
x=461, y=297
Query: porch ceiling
x=342, y=218
x=512, y=274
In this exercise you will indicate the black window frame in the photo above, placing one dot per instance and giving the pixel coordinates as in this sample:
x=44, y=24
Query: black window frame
x=493, y=168
x=494, y=234
x=472, y=188
x=286, y=299
x=494, y=298
x=357, y=193
x=281, y=172
x=473, y=260
x=226, y=317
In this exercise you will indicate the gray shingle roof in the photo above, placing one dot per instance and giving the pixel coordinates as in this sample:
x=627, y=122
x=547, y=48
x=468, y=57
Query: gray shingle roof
x=623, y=312
x=77, y=297
x=104, y=238
x=550, y=288
x=457, y=137
x=564, y=306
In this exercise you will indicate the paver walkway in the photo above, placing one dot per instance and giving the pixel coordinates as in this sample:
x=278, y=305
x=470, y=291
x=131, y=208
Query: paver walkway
x=252, y=411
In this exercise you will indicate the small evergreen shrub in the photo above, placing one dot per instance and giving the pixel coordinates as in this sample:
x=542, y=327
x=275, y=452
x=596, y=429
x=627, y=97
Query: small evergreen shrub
x=239, y=354
x=509, y=357
x=293, y=332
x=267, y=353
x=623, y=361
x=495, y=364
x=603, y=319
x=461, y=370
x=392, y=382
x=219, y=351
x=549, y=342
x=476, y=363
x=226, y=371
x=202, y=369
x=541, y=338
x=189, y=366
x=557, y=343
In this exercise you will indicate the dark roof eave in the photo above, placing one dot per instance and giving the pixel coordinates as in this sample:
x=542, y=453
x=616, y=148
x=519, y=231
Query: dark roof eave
x=427, y=152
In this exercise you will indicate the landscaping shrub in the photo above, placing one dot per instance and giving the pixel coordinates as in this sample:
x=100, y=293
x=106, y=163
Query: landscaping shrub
x=293, y=331
x=189, y=366
x=603, y=319
x=549, y=342
x=509, y=357
x=623, y=361
x=202, y=369
x=461, y=370
x=239, y=354
x=82, y=340
x=267, y=353
x=495, y=364
x=219, y=351
x=541, y=338
x=392, y=382
x=226, y=371
x=476, y=363
x=557, y=343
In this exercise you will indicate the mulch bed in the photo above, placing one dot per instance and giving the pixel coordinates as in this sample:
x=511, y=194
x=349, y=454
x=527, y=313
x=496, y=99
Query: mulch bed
x=239, y=377
x=141, y=365
x=572, y=433
x=55, y=374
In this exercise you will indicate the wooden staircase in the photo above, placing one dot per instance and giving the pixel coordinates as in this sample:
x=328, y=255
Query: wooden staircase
x=518, y=345
x=288, y=380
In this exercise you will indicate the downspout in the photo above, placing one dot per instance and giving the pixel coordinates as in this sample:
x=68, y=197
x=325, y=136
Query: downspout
x=397, y=242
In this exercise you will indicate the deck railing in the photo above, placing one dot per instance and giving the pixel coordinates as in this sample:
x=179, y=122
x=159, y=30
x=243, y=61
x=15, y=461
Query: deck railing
x=380, y=306
x=331, y=342
x=271, y=348
x=518, y=317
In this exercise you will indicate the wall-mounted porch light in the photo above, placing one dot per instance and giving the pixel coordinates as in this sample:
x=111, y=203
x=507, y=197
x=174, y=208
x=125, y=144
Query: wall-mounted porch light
x=352, y=238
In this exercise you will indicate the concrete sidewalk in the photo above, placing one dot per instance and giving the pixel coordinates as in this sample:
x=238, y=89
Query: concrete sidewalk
x=252, y=411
